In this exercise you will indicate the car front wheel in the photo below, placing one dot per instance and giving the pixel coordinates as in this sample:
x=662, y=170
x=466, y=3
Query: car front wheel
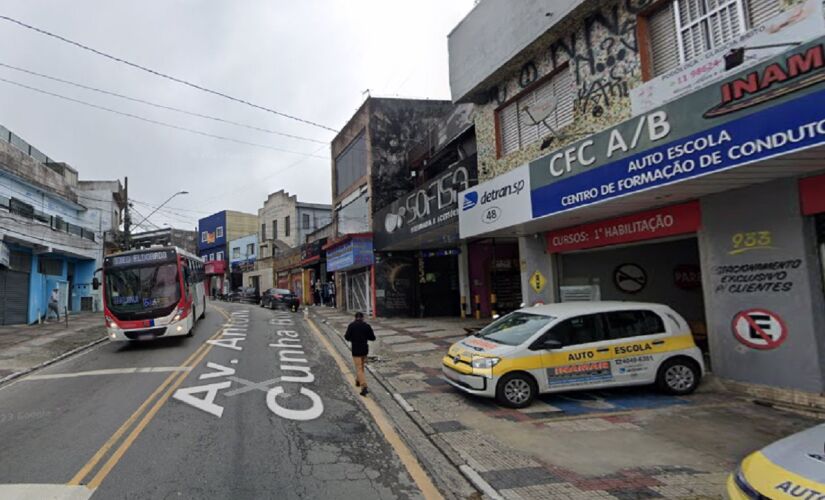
x=516, y=390
x=678, y=376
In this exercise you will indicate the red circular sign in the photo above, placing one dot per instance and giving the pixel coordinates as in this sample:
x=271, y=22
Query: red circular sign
x=759, y=329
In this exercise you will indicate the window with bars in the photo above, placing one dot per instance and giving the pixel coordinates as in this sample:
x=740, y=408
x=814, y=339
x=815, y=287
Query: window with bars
x=536, y=113
x=286, y=226
x=683, y=30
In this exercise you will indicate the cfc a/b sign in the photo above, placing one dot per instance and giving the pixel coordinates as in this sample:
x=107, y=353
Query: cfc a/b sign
x=498, y=203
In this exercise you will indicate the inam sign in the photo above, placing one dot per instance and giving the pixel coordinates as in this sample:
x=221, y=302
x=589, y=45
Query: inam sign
x=759, y=329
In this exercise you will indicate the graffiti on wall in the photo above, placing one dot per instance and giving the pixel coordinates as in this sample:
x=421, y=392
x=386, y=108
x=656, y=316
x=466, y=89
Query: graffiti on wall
x=601, y=50
x=602, y=57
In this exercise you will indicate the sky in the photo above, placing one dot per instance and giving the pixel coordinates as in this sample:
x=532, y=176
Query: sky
x=312, y=59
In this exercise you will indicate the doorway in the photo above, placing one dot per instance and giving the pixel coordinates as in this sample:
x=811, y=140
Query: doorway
x=358, y=292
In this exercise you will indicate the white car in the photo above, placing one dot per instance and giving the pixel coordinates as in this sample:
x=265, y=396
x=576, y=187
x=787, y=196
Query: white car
x=576, y=345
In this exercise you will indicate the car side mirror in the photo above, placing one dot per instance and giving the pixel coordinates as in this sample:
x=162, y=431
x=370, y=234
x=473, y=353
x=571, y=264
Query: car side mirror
x=547, y=345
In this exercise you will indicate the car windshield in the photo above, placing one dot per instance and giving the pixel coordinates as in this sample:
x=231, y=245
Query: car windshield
x=515, y=328
x=138, y=290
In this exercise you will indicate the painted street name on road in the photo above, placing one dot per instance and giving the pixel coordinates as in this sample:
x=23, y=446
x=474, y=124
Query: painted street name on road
x=287, y=401
x=292, y=359
x=233, y=333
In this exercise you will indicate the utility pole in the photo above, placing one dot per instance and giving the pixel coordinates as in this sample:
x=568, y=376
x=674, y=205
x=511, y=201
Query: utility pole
x=127, y=220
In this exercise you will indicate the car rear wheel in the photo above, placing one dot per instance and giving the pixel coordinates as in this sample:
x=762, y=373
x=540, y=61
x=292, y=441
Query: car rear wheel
x=678, y=376
x=516, y=390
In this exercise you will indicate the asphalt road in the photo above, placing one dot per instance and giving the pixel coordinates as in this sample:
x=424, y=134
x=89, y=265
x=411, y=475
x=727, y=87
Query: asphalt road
x=263, y=412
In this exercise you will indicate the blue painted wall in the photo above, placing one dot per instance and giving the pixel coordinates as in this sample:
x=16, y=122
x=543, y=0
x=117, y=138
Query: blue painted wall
x=41, y=285
x=243, y=242
x=210, y=225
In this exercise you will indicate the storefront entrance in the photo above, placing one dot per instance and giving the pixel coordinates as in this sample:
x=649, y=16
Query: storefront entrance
x=495, y=277
x=358, y=292
x=438, y=285
x=666, y=272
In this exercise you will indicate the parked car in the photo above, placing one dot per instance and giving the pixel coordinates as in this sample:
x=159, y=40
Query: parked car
x=793, y=467
x=244, y=294
x=576, y=345
x=279, y=298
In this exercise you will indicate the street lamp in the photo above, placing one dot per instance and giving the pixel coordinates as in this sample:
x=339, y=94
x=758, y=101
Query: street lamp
x=161, y=205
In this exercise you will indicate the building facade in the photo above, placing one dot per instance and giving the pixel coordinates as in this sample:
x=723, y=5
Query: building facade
x=421, y=266
x=215, y=232
x=663, y=152
x=242, y=255
x=369, y=171
x=51, y=232
x=283, y=225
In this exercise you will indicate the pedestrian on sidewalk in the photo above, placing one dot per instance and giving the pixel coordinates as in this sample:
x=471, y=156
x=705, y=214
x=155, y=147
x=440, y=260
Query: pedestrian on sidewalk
x=358, y=334
x=54, y=299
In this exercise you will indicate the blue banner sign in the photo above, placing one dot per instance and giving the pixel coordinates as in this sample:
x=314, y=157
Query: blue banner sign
x=779, y=130
x=350, y=255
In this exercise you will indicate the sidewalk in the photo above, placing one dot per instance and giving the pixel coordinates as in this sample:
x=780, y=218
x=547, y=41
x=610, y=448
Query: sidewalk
x=25, y=347
x=621, y=443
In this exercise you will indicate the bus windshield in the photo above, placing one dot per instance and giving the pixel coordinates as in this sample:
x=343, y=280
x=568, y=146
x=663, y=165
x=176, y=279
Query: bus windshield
x=142, y=292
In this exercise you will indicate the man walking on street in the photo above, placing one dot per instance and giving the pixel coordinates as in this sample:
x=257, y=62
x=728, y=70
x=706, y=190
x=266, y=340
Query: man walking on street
x=358, y=334
x=54, y=299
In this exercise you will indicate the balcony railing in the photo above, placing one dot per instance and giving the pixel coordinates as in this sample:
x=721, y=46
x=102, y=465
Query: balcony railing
x=25, y=210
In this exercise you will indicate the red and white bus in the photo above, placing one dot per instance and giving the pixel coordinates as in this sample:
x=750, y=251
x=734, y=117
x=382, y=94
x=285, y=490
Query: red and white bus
x=152, y=293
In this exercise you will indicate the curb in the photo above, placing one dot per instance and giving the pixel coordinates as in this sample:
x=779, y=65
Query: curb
x=449, y=453
x=15, y=375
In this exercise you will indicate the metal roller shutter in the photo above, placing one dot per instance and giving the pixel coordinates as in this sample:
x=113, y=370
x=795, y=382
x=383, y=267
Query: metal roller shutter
x=509, y=129
x=762, y=10
x=665, y=53
x=14, y=297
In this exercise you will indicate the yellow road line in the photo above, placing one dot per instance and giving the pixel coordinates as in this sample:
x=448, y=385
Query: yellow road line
x=130, y=439
x=420, y=477
x=87, y=468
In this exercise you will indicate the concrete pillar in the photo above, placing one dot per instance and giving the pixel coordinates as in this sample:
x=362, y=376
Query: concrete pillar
x=464, y=282
x=533, y=259
x=759, y=260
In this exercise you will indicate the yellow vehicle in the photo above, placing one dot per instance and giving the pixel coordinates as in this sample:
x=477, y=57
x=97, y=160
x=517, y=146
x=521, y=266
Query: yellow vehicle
x=793, y=467
x=576, y=345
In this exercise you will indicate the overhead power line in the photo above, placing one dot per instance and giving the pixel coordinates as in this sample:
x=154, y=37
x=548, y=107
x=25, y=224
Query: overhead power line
x=156, y=122
x=160, y=106
x=163, y=75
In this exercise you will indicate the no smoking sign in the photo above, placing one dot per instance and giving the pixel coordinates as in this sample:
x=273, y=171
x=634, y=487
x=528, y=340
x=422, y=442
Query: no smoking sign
x=759, y=329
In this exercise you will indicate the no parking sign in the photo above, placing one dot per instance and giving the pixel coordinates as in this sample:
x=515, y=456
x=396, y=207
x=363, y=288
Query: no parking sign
x=759, y=329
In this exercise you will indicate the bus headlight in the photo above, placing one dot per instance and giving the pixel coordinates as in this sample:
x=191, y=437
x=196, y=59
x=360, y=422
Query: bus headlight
x=178, y=314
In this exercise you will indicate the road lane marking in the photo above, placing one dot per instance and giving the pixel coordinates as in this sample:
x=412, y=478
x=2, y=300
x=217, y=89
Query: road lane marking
x=415, y=470
x=98, y=456
x=41, y=491
x=130, y=439
x=111, y=371
x=250, y=385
